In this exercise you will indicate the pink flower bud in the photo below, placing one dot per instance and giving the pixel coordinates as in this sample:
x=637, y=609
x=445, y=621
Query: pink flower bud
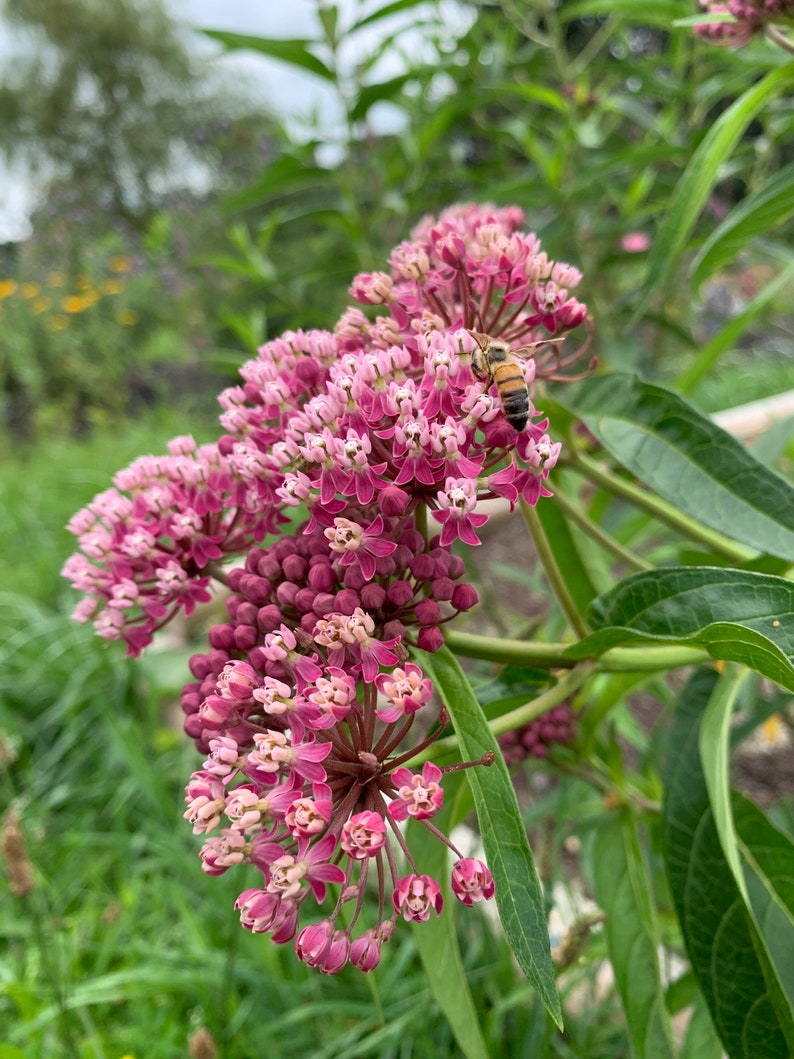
x=268, y=618
x=427, y=612
x=400, y=593
x=464, y=597
x=430, y=638
x=392, y=500
x=416, y=896
x=472, y=881
x=363, y=835
x=365, y=951
x=372, y=596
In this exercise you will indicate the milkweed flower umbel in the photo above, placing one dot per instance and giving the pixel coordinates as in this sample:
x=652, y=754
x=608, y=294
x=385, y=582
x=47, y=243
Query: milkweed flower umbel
x=363, y=454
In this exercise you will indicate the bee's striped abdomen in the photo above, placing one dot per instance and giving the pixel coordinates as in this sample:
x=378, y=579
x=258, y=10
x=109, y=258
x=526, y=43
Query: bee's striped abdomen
x=513, y=394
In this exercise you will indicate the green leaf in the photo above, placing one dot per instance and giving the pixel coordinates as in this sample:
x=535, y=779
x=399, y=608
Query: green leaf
x=701, y=1040
x=644, y=12
x=758, y=214
x=763, y=864
x=328, y=15
x=688, y=460
x=393, y=8
x=727, y=954
x=728, y=335
x=285, y=176
x=623, y=889
x=736, y=615
x=768, y=861
x=697, y=181
x=519, y=897
x=293, y=52
x=371, y=94
x=715, y=750
x=567, y=553
x=437, y=942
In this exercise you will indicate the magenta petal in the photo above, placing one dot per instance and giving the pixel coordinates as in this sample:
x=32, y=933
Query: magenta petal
x=379, y=546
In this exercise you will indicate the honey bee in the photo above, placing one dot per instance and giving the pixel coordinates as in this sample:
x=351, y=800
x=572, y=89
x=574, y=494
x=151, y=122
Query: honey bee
x=495, y=362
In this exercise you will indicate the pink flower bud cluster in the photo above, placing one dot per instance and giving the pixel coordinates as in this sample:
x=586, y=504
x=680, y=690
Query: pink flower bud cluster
x=306, y=783
x=149, y=545
x=748, y=18
x=536, y=738
x=298, y=600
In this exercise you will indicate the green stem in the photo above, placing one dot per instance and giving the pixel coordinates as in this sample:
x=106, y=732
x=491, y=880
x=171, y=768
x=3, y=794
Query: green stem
x=598, y=40
x=556, y=36
x=606, y=540
x=644, y=658
x=780, y=39
x=654, y=505
x=420, y=519
x=553, y=573
x=561, y=691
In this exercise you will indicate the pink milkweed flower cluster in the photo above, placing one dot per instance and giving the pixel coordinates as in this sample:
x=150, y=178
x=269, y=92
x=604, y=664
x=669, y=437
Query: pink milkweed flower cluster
x=748, y=18
x=366, y=451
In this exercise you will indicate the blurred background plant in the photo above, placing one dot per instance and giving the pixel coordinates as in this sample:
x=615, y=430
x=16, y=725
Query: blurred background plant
x=179, y=223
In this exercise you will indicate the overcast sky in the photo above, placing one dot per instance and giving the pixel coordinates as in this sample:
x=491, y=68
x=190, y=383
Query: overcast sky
x=292, y=93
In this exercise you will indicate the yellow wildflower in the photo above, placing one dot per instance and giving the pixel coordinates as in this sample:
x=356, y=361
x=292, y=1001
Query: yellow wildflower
x=112, y=286
x=120, y=263
x=73, y=303
x=7, y=288
x=40, y=305
x=127, y=317
x=773, y=731
x=30, y=290
x=58, y=322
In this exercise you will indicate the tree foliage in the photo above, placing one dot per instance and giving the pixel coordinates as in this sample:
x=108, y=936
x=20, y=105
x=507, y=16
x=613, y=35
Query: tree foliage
x=104, y=98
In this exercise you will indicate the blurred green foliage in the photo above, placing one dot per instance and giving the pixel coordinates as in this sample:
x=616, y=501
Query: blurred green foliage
x=586, y=114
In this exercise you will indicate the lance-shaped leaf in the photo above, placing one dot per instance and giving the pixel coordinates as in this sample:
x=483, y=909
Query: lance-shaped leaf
x=386, y=11
x=623, y=889
x=569, y=553
x=702, y=172
x=293, y=52
x=758, y=214
x=730, y=333
x=762, y=860
x=518, y=892
x=736, y=615
x=767, y=857
x=687, y=459
x=729, y=955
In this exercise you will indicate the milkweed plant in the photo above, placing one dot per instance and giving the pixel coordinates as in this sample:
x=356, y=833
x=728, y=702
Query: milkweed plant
x=339, y=738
